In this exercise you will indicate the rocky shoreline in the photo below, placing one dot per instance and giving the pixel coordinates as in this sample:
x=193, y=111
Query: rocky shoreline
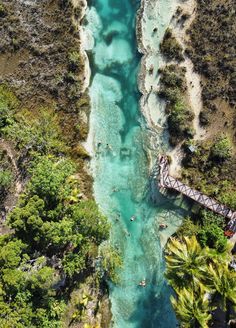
x=152, y=108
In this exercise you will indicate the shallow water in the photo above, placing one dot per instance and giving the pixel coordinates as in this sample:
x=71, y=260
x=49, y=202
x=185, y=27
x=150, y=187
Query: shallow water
x=118, y=140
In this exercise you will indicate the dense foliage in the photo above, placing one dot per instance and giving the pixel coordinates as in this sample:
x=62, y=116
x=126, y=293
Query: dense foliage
x=55, y=238
x=211, y=168
x=54, y=232
x=170, y=47
x=202, y=280
x=172, y=89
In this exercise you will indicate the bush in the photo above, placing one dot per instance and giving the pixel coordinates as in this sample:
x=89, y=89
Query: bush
x=3, y=10
x=6, y=179
x=187, y=228
x=39, y=132
x=170, y=47
x=74, y=60
x=48, y=179
x=8, y=105
x=213, y=237
x=221, y=150
x=208, y=218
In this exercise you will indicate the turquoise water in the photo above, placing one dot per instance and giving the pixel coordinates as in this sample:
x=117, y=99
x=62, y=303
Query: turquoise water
x=118, y=137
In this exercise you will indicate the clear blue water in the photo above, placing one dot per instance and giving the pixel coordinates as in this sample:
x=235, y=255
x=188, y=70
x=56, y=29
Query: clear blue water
x=120, y=169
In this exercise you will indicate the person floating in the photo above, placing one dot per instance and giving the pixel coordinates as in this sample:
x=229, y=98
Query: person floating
x=109, y=147
x=163, y=225
x=133, y=217
x=143, y=283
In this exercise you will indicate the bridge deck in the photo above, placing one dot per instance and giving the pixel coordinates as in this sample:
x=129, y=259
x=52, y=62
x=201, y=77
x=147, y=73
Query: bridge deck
x=167, y=181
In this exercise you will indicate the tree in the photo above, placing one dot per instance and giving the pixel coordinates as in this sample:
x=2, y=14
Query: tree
x=48, y=179
x=186, y=261
x=192, y=307
x=89, y=221
x=222, y=281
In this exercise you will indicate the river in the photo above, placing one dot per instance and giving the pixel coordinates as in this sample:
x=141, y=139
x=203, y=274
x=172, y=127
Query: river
x=118, y=142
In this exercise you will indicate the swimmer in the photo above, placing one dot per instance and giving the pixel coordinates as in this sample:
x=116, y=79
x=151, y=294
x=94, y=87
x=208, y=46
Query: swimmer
x=109, y=147
x=133, y=217
x=143, y=283
x=163, y=225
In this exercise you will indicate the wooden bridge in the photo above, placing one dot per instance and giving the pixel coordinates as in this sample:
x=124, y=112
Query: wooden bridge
x=167, y=181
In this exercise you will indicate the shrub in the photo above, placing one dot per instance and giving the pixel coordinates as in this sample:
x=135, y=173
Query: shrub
x=187, y=228
x=8, y=105
x=221, y=150
x=6, y=178
x=213, y=237
x=170, y=46
x=3, y=10
x=208, y=218
x=74, y=60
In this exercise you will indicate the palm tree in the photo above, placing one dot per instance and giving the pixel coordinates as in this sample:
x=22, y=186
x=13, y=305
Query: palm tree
x=192, y=307
x=222, y=281
x=186, y=261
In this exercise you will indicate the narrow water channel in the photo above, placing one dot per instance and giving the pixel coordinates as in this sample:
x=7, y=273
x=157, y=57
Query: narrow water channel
x=117, y=141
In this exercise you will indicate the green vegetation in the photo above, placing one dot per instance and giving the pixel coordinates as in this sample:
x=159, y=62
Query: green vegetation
x=37, y=132
x=8, y=105
x=221, y=150
x=5, y=179
x=213, y=237
x=170, y=47
x=202, y=281
x=111, y=262
x=172, y=89
x=211, y=168
x=192, y=307
x=56, y=230
x=3, y=10
x=52, y=229
x=6, y=176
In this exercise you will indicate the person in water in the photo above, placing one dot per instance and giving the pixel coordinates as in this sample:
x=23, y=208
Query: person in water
x=163, y=225
x=133, y=217
x=143, y=283
x=109, y=147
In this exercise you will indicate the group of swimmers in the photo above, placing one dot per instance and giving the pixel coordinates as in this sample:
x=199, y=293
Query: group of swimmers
x=142, y=283
x=108, y=147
